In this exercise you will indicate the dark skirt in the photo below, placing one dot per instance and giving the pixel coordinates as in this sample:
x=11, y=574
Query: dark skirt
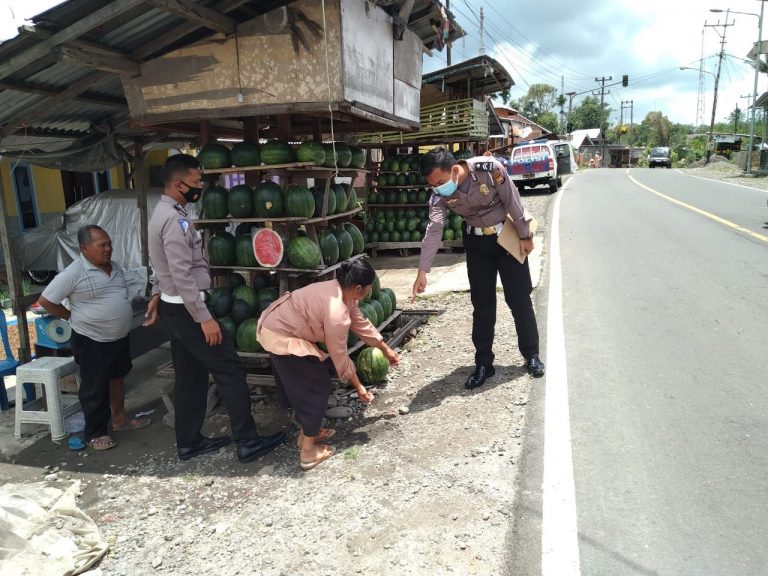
x=304, y=384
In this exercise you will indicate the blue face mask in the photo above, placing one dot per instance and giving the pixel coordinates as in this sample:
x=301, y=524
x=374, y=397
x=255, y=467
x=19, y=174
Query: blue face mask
x=447, y=189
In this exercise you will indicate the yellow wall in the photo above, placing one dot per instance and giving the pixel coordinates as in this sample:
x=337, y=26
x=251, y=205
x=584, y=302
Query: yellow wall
x=49, y=192
x=153, y=158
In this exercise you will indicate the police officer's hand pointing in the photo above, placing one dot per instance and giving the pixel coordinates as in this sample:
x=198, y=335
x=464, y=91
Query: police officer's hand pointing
x=212, y=332
x=418, y=286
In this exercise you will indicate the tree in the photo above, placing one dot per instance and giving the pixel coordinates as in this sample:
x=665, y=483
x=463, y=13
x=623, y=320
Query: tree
x=539, y=104
x=735, y=119
x=655, y=130
x=588, y=115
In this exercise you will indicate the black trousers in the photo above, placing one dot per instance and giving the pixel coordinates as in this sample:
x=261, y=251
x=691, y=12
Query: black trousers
x=99, y=363
x=304, y=384
x=486, y=259
x=193, y=360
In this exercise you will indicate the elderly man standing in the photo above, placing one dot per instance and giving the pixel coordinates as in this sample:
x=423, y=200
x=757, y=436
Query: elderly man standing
x=100, y=315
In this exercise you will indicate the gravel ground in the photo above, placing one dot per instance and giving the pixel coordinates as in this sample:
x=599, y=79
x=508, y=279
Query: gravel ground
x=728, y=172
x=423, y=483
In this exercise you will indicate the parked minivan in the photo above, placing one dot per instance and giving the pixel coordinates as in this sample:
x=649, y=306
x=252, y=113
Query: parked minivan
x=540, y=162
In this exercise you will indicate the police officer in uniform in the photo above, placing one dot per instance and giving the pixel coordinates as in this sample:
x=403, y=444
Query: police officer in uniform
x=198, y=345
x=480, y=190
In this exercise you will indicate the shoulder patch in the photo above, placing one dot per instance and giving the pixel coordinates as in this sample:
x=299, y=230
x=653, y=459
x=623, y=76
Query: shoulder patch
x=485, y=166
x=498, y=176
x=184, y=223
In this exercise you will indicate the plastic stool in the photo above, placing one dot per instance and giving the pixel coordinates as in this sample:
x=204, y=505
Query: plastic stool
x=47, y=372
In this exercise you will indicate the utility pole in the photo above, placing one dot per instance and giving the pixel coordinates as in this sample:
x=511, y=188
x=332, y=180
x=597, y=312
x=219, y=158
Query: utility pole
x=448, y=49
x=603, y=92
x=711, y=142
x=482, y=32
x=700, y=93
x=754, y=90
x=631, y=123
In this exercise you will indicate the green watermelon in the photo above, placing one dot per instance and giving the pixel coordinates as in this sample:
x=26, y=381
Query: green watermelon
x=358, y=157
x=317, y=193
x=268, y=200
x=246, y=154
x=221, y=249
x=240, y=201
x=416, y=236
x=267, y=247
x=358, y=242
x=265, y=297
x=448, y=234
x=228, y=325
x=243, y=229
x=372, y=366
x=303, y=253
x=245, y=338
x=351, y=196
x=346, y=245
x=215, y=203
x=241, y=311
x=376, y=287
x=329, y=248
x=341, y=198
x=386, y=303
x=276, y=152
x=311, y=151
x=260, y=281
x=246, y=294
x=234, y=279
x=379, y=310
x=343, y=155
x=222, y=305
x=369, y=312
x=299, y=202
x=395, y=236
x=422, y=196
x=392, y=297
x=244, y=252
x=214, y=155
x=352, y=339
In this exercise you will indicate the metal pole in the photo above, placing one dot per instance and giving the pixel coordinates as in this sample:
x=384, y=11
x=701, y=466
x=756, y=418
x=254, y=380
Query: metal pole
x=717, y=81
x=754, y=90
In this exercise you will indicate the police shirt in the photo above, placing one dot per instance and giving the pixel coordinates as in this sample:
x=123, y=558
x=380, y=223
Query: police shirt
x=485, y=198
x=176, y=253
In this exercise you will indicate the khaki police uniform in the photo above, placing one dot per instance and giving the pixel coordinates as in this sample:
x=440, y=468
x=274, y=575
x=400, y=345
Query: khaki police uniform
x=182, y=279
x=484, y=199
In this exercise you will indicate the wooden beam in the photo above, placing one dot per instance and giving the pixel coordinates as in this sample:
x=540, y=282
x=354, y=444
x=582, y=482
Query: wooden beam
x=195, y=12
x=85, y=24
x=141, y=199
x=86, y=97
x=80, y=57
x=42, y=34
x=44, y=108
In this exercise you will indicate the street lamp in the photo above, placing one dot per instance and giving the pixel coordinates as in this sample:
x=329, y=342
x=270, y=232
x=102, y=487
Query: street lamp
x=757, y=71
x=714, y=103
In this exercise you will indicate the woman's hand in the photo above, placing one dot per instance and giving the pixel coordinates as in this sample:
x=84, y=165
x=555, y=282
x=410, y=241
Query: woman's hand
x=364, y=396
x=392, y=357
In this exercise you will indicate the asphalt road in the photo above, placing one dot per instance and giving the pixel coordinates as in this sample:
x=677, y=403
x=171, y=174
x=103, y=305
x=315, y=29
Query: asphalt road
x=665, y=315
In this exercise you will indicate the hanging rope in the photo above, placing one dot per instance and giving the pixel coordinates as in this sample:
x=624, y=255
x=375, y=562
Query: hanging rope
x=328, y=84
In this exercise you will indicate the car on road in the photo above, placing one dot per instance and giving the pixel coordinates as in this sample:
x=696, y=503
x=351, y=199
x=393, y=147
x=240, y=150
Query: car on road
x=540, y=162
x=659, y=156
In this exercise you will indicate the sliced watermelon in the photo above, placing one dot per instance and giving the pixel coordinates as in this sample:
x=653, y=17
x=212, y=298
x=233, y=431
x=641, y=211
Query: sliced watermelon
x=268, y=247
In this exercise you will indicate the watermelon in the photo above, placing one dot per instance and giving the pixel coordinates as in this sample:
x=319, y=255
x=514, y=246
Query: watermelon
x=215, y=203
x=343, y=155
x=317, y=193
x=416, y=236
x=402, y=197
x=352, y=339
x=395, y=236
x=221, y=249
x=358, y=242
x=394, y=165
x=372, y=366
x=379, y=310
x=413, y=197
x=375, y=287
x=267, y=247
x=246, y=294
x=260, y=281
x=311, y=151
x=244, y=252
x=268, y=200
x=329, y=248
x=346, y=245
x=240, y=201
x=245, y=338
x=222, y=305
x=358, y=157
x=276, y=152
x=234, y=280
x=299, y=202
x=448, y=234
x=351, y=196
x=246, y=154
x=243, y=229
x=265, y=297
x=229, y=326
x=216, y=293
x=341, y=198
x=369, y=312
x=303, y=253
x=386, y=303
x=422, y=196
x=241, y=311
x=214, y=155
x=392, y=297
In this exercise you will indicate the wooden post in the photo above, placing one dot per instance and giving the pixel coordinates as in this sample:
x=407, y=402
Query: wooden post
x=141, y=199
x=13, y=271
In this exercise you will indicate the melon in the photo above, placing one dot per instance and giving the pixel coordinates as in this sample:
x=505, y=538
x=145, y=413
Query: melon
x=304, y=253
x=245, y=154
x=380, y=315
x=318, y=193
x=299, y=202
x=268, y=200
x=245, y=338
x=241, y=311
x=265, y=297
x=215, y=203
x=240, y=201
x=372, y=365
x=358, y=157
x=311, y=151
x=358, y=242
x=276, y=152
x=369, y=312
x=392, y=297
x=214, y=155
x=244, y=252
x=329, y=248
x=267, y=247
x=346, y=245
x=246, y=294
x=221, y=249
x=228, y=326
x=341, y=198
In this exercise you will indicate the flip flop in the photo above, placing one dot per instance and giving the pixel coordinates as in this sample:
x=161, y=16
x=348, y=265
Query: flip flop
x=102, y=443
x=133, y=424
x=309, y=465
x=75, y=443
x=324, y=435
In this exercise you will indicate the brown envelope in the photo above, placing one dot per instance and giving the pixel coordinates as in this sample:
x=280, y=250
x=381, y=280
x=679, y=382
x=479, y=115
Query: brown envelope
x=510, y=240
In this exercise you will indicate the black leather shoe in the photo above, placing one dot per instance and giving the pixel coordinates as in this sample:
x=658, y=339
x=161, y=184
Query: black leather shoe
x=206, y=446
x=480, y=375
x=535, y=367
x=249, y=450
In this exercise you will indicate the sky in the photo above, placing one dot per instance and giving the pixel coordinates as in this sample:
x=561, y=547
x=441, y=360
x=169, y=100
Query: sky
x=570, y=43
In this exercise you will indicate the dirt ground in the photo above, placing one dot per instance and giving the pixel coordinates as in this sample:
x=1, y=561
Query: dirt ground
x=423, y=483
x=13, y=339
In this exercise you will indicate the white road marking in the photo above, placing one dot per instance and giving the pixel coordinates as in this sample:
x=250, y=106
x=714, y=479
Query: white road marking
x=559, y=537
x=721, y=181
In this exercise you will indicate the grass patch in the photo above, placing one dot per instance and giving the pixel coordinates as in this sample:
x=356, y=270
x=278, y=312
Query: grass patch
x=352, y=453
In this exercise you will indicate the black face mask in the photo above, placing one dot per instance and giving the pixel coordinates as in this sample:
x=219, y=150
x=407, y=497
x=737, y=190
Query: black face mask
x=192, y=194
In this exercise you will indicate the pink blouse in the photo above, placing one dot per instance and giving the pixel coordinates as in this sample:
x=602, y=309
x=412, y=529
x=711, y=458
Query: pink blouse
x=316, y=313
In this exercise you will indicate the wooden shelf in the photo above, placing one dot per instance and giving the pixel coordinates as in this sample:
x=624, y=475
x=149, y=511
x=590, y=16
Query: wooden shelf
x=282, y=219
x=424, y=205
x=236, y=169
x=292, y=272
x=324, y=169
x=409, y=187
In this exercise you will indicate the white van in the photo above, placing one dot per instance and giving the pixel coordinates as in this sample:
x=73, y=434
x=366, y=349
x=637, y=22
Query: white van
x=540, y=162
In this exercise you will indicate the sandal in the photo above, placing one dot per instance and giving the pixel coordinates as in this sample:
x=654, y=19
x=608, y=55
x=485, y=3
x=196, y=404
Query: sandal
x=102, y=443
x=132, y=424
x=327, y=454
x=324, y=435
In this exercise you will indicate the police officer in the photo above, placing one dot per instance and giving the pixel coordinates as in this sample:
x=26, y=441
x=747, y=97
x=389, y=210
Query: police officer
x=198, y=345
x=480, y=190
